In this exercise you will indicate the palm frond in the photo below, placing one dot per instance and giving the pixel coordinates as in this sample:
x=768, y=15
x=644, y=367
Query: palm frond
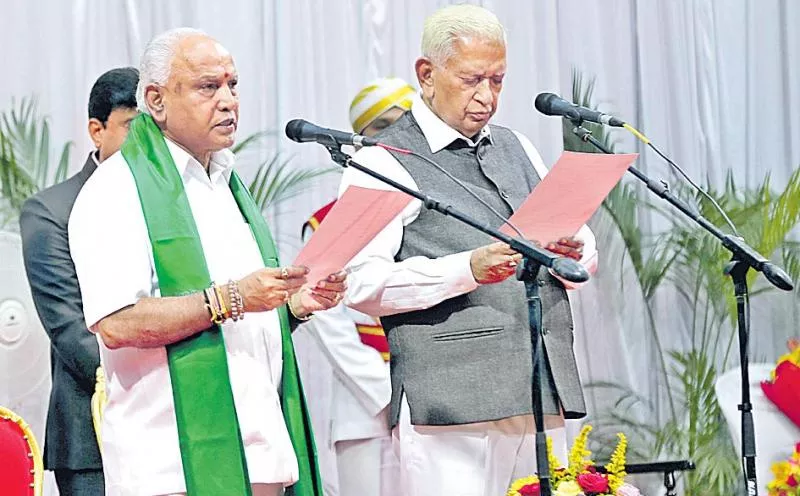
x=250, y=141
x=276, y=181
x=25, y=165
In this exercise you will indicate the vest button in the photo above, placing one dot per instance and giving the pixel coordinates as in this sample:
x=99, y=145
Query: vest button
x=504, y=194
x=545, y=331
x=540, y=282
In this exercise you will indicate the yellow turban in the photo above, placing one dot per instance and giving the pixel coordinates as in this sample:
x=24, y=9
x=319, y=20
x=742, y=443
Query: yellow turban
x=378, y=97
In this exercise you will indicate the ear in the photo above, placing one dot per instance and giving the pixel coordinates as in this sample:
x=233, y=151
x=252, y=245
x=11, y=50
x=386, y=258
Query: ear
x=96, y=129
x=154, y=99
x=424, y=69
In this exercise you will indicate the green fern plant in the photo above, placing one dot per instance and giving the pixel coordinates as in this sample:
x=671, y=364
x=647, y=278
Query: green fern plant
x=25, y=161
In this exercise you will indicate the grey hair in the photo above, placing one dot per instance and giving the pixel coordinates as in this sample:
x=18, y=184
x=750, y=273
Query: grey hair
x=156, y=61
x=450, y=23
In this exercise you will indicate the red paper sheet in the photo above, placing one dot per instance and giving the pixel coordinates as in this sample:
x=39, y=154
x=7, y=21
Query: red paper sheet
x=357, y=217
x=568, y=195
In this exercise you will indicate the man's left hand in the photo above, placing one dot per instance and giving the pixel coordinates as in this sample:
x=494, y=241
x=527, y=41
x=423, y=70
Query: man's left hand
x=326, y=294
x=569, y=247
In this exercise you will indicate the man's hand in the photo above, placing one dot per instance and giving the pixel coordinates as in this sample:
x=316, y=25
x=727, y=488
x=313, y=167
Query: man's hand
x=326, y=294
x=270, y=288
x=494, y=263
x=569, y=247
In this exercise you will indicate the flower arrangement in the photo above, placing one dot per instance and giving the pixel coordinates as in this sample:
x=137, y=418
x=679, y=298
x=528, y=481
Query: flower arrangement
x=783, y=388
x=579, y=477
x=787, y=476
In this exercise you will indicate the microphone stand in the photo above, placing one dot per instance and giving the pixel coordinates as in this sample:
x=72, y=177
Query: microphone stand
x=532, y=259
x=743, y=258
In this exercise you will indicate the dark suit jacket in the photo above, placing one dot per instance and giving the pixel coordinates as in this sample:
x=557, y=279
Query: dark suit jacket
x=70, y=441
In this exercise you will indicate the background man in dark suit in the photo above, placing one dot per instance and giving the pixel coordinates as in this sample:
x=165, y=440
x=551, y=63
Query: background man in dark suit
x=70, y=445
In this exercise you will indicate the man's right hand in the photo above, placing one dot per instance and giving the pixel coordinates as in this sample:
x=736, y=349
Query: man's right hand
x=269, y=288
x=494, y=263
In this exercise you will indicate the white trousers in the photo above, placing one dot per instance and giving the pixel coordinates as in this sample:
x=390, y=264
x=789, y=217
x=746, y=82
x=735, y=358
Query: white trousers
x=367, y=467
x=480, y=459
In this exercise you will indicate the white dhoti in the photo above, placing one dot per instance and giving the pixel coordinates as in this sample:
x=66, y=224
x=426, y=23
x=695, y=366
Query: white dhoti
x=368, y=466
x=480, y=459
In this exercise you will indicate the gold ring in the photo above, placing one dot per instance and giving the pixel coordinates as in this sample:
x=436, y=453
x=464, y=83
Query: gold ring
x=284, y=273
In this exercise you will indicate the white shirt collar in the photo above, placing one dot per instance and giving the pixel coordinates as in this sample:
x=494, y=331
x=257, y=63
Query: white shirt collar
x=221, y=161
x=94, y=156
x=437, y=133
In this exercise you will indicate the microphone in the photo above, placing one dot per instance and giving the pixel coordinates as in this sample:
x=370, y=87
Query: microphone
x=303, y=131
x=570, y=270
x=552, y=104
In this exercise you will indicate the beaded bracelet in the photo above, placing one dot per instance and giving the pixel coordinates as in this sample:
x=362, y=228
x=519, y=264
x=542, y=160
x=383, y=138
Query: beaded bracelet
x=237, y=302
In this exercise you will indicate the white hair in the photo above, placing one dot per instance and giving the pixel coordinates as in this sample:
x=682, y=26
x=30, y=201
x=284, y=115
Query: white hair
x=156, y=61
x=450, y=23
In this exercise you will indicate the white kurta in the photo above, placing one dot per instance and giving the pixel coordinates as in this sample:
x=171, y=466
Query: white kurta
x=114, y=262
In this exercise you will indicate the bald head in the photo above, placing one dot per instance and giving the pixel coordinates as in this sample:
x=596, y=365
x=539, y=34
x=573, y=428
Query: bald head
x=188, y=86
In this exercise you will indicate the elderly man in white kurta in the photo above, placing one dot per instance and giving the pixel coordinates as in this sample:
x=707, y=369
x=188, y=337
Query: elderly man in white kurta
x=456, y=320
x=169, y=429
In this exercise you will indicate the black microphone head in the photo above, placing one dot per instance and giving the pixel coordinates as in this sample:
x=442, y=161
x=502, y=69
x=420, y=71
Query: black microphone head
x=570, y=270
x=777, y=276
x=294, y=130
x=552, y=104
x=544, y=103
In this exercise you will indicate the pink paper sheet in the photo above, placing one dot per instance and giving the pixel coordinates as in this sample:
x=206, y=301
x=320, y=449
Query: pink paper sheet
x=568, y=195
x=357, y=217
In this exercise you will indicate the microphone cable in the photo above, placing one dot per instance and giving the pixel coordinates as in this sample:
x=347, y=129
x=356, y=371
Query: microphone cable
x=644, y=139
x=456, y=180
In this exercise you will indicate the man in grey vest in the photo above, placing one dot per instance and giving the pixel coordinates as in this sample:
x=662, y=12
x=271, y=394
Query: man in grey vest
x=455, y=317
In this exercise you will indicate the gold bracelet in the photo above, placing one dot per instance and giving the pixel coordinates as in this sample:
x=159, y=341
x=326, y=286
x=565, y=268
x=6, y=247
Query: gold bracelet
x=223, y=309
x=294, y=313
x=212, y=306
x=218, y=317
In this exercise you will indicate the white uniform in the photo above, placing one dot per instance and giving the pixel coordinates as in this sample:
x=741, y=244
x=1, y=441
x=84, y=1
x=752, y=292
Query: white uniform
x=347, y=387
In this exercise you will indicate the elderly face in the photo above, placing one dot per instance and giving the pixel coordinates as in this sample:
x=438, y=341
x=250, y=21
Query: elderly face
x=199, y=106
x=464, y=91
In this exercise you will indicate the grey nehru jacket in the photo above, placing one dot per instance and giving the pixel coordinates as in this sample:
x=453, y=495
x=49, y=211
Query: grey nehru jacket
x=468, y=359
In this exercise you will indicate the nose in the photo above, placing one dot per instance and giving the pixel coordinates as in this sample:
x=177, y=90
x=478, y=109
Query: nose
x=227, y=99
x=483, y=93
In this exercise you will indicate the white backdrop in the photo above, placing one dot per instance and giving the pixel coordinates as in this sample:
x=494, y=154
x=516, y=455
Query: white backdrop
x=715, y=83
